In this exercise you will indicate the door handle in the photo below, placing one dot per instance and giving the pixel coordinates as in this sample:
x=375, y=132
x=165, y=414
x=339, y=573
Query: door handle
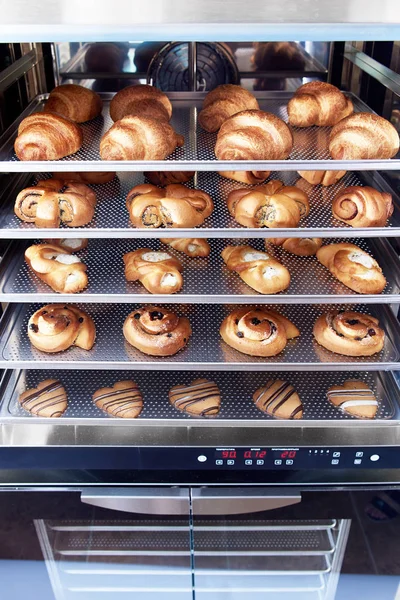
x=236, y=501
x=150, y=501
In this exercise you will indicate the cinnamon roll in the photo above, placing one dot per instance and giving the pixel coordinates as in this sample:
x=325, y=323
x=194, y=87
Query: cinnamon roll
x=349, y=333
x=362, y=207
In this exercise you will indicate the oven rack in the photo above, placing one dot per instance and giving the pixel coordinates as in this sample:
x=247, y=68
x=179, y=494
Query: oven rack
x=204, y=278
x=112, y=220
x=309, y=151
x=205, y=350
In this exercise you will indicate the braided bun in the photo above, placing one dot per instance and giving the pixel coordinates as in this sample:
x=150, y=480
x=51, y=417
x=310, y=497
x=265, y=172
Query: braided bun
x=349, y=333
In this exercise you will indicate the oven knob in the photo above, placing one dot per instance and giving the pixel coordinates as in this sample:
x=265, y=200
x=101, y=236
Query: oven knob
x=374, y=457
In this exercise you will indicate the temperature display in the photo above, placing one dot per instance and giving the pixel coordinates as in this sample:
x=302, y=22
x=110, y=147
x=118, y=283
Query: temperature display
x=228, y=454
x=288, y=454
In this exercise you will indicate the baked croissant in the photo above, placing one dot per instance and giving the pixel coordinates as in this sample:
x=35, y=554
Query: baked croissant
x=141, y=101
x=47, y=205
x=349, y=333
x=318, y=103
x=270, y=205
x=57, y=327
x=75, y=102
x=259, y=270
x=47, y=136
x=139, y=138
x=159, y=272
x=297, y=246
x=254, y=135
x=362, y=207
x=61, y=270
x=173, y=206
x=164, y=178
x=363, y=136
x=223, y=102
x=257, y=331
x=325, y=178
x=250, y=177
x=353, y=267
x=193, y=247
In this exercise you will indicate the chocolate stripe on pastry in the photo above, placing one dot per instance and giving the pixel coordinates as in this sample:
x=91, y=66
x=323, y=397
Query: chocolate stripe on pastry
x=279, y=399
x=48, y=399
x=355, y=398
x=200, y=397
x=123, y=400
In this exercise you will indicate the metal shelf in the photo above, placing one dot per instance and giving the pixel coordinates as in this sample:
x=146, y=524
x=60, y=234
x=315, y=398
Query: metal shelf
x=205, y=279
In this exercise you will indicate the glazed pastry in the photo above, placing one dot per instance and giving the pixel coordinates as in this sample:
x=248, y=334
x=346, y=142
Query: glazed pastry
x=259, y=270
x=61, y=270
x=95, y=178
x=164, y=178
x=270, y=205
x=318, y=103
x=47, y=136
x=57, y=327
x=324, y=178
x=297, y=246
x=123, y=399
x=223, y=102
x=173, y=206
x=254, y=135
x=48, y=399
x=279, y=399
x=75, y=102
x=363, y=136
x=257, y=331
x=156, y=331
x=354, y=397
x=200, y=398
x=362, y=207
x=141, y=101
x=353, y=267
x=159, y=272
x=349, y=333
x=69, y=244
x=250, y=177
x=193, y=247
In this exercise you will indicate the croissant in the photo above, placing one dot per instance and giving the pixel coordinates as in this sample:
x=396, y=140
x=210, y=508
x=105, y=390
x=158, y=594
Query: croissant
x=257, y=331
x=363, y=136
x=141, y=101
x=270, y=205
x=139, y=138
x=325, y=178
x=156, y=331
x=75, y=102
x=223, y=102
x=349, y=333
x=57, y=327
x=159, y=272
x=353, y=267
x=250, y=177
x=164, y=178
x=362, y=207
x=318, y=103
x=47, y=136
x=57, y=267
x=88, y=178
x=298, y=246
x=259, y=270
x=254, y=135
x=173, y=206
x=193, y=247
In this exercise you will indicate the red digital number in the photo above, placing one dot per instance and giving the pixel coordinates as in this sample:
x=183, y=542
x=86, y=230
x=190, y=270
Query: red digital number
x=225, y=454
x=261, y=454
x=285, y=454
x=232, y=454
x=247, y=454
x=292, y=454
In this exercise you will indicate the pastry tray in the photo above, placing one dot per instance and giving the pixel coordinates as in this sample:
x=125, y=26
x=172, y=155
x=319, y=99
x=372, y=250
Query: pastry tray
x=112, y=220
x=205, y=350
x=205, y=279
x=310, y=149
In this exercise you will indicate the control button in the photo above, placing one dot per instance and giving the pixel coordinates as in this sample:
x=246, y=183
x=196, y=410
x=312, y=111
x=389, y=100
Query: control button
x=230, y=462
x=357, y=461
x=277, y=462
x=219, y=462
x=374, y=457
x=334, y=461
x=289, y=462
x=336, y=454
x=248, y=462
x=202, y=458
x=359, y=454
x=260, y=462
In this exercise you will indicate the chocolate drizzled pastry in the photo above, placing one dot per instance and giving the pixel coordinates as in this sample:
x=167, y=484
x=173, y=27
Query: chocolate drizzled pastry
x=48, y=399
x=201, y=398
x=123, y=399
x=279, y=399
x=355, y=398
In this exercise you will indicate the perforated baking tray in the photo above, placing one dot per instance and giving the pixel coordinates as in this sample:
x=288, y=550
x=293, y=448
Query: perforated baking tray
x=310, y=149
x=205, y=279
x=205, y=349
x=111, y=218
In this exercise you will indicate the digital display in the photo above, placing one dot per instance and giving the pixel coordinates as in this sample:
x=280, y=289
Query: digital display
x=242, y=454
x=288, y=454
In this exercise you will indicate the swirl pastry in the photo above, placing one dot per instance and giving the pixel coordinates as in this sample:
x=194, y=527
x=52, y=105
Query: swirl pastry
x=349, y=333
x=250, y=177
x=278, y=399
x=123, y=399
x=159, y=272
x=48, y=399
x=353, y=267
x=173, y=206
x=355, y=398
x=362, y=207
x=223, y=102
x=156, y=331
x=75, y=102
x=193, y=247
x=142, y=101
x=259, y=270
x=271, y=205
x=298, y=246
x=200, y=398
x=318, y=103
x=61, y=270
x=164, y=178
x=57, y=327
x=257, y=331
x=324, y=178
x=47, y=136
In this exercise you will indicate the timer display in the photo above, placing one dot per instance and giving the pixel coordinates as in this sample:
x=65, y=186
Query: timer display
x=289, y=454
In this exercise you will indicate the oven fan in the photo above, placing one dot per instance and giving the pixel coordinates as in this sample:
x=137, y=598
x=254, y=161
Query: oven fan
x=169, y=68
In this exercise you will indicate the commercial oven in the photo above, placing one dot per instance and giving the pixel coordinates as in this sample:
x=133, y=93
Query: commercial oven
x=167, y=505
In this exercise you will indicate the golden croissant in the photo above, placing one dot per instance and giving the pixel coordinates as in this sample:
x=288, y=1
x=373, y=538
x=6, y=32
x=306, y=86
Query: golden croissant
x=159, y=272
x=318, y=103
x=223, y=102
x=324, y=178
x=362, y=207
x=141, y=101
x=75, y=102
x=47, y=136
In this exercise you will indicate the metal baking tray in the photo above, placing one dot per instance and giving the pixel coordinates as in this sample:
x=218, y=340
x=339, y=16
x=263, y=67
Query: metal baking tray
x=310, y=149
x=111, y=218
x=205, y=349
x=205, y=279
